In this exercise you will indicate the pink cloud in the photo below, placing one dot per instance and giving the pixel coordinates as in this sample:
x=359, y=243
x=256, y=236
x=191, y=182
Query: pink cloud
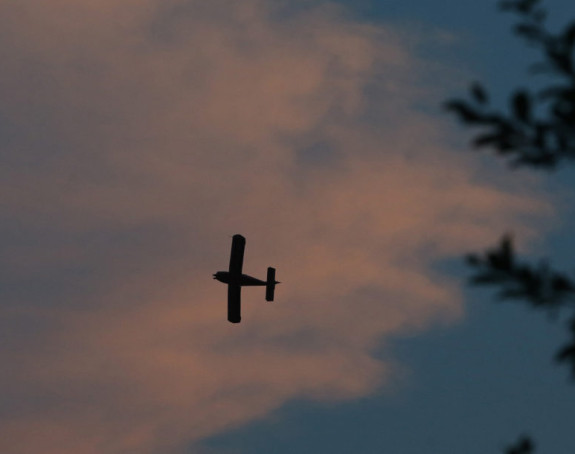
x=142, y=135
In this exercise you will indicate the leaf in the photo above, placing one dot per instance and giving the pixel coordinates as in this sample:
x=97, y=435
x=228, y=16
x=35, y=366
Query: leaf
x=561, y=283
x=561, y=61
x=486, y=140
x=569, y=35
x=465, y=113
x=539, y=139
x=522, y=6
x=526, y=6
x=521, y=106
x=488, y=277
x=567, y=353
x=562, y=141
x=472, y=260
x=478, y=93
x=523, y=446
x=560, y=113
x=557, y=91
x=506, y=251
x=530, y=31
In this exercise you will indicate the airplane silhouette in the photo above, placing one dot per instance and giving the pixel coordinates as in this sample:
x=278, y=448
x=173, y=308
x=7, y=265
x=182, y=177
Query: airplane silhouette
x=236, y=280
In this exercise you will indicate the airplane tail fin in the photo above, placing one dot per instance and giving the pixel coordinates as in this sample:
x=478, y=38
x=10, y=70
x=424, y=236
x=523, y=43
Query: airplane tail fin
x=271, y=284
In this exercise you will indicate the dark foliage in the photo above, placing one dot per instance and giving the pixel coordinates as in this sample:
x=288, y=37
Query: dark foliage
x=540, y=286
x=538, y=130
x=523, y=446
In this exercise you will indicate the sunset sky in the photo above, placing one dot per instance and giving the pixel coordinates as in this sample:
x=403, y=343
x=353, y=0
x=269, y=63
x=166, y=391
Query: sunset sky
x=137, y=136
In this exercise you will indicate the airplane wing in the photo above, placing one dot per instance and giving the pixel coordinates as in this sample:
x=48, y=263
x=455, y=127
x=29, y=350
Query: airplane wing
x=237, y=256
x=234, y=303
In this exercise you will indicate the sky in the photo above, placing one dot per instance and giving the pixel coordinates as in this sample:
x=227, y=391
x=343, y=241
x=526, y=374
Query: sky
x=137, y=137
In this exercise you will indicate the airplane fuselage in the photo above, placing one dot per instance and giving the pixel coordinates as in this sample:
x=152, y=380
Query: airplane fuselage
x=245, y=280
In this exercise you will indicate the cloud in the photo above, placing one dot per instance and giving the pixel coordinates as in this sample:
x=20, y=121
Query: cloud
x=136, y=137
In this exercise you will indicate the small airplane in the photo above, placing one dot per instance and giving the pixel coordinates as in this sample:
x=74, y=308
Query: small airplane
x=236, y=280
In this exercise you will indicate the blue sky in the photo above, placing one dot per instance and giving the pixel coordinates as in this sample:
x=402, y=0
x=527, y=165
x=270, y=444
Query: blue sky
x=137, y=137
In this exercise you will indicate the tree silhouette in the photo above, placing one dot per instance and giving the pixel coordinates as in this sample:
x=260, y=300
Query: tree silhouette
x=541, y=287
x=536, y=131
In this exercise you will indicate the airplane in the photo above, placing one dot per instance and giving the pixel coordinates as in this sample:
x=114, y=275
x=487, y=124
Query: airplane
x=236, y=280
